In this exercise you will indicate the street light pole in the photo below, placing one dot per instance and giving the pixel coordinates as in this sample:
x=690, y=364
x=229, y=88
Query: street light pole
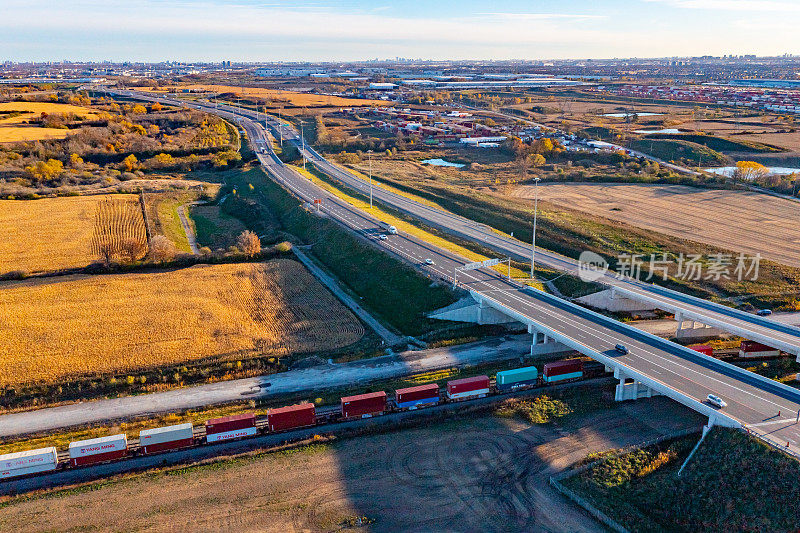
x=303, y=144
x=280, y=126
x=369, y=154
x=535, y=216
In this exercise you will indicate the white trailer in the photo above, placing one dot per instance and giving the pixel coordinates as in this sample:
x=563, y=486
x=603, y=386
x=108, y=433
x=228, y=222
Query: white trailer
x=28, y=462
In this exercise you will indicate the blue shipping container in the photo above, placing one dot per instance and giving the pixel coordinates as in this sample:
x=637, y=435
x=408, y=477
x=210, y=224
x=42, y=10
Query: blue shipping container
x=562, y=377
x=416, y=403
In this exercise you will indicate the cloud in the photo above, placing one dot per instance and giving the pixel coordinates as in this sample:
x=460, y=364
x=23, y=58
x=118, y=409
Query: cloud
x=733, y=5
x=541, y=16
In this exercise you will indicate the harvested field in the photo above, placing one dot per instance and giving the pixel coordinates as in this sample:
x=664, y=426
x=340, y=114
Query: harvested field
x=119, y=230
x=14, y=115
x=741, y=221
x=55, y=233
x=287, y=97
x=492, y=475
x=92, y=325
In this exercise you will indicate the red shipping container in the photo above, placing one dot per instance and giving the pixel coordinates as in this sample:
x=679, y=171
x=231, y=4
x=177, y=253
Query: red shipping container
x=558, y=368
x=98, y=458
x=171, y=445
x=371, y=403
x=230, y=423
x=420, y=392
x=703, y=348
x=753, y=346
x=292, y=416
x=457, y=386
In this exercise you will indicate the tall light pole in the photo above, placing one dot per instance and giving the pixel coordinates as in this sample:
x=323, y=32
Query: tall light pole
x=369, y=155
x=535, y=216
x=303, y=144
x=280, y=125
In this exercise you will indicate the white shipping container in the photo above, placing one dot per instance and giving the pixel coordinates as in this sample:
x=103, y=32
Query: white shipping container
x=763, y=353
x=233, y=434
x=41, y=456
x=468, y=394
x=148, y=437
x=33, y=469
x=112, y=443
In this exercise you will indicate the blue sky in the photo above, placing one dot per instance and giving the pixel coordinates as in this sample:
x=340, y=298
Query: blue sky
x=212, y=30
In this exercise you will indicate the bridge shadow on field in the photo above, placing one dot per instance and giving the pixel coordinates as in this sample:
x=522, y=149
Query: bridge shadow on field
x=483, y=473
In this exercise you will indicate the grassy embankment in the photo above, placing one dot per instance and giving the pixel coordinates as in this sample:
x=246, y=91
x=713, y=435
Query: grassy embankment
x=403, y=225
x=733, y=483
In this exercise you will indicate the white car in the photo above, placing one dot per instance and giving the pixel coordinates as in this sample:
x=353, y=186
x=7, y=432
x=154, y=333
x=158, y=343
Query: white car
x=429, y=261
x=383, y=237
x=716, y=401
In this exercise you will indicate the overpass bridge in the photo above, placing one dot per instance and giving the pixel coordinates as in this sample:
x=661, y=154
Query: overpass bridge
x=652, y=366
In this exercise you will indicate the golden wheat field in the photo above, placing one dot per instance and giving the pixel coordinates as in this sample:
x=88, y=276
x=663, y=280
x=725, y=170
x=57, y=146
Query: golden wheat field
x=14, y=114
x=55, y=233
x=80, y=325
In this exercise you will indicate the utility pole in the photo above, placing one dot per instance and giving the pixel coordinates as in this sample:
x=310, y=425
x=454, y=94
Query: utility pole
x=535, y=216
x=369, y=154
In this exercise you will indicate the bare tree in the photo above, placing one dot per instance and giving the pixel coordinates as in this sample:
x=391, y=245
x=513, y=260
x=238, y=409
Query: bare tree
x=132, y=249
x=162, y=249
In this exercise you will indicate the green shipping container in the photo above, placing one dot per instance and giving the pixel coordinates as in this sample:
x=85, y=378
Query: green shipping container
x=507, y=379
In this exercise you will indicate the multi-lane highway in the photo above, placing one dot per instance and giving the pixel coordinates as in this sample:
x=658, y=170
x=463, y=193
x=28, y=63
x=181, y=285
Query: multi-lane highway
x=764, y=405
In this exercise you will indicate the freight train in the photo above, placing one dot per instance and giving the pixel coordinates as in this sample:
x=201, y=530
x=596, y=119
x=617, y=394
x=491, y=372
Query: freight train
x=162, y=439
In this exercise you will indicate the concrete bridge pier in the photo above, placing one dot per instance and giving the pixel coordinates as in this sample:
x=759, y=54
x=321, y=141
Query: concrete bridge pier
x=694, y=329
x=630, y=389
x=542, y=343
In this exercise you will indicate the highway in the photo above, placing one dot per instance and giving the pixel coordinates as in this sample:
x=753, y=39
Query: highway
x=678, y=372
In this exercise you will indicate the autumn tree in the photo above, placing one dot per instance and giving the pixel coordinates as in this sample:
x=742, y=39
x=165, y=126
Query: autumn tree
x=45, y=170
x=130, y=163
x=156, y=107
x=249, y=243
x=162, y=161
x=749, y=171
x=162, y=249
x=221, y=159
x=138, y=109
x=132, y=249
x=537, y=160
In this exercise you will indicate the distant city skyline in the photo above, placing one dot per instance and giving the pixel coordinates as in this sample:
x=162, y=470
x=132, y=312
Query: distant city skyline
x=215, y=30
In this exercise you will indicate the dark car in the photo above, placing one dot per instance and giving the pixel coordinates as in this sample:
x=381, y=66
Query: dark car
x=764, y=312
x=621, y=348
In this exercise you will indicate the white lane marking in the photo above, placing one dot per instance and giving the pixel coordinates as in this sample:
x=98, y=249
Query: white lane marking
x=790, y=421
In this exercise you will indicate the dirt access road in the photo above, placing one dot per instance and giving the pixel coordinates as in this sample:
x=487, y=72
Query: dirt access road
x=308, y=379
x=475, y=474
x=740, y=221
